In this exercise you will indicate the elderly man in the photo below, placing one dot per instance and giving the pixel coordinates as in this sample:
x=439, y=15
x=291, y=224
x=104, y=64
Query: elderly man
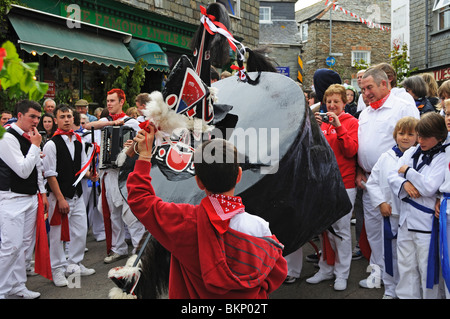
x=375, y=136
x=81, y=106
x=48, y=106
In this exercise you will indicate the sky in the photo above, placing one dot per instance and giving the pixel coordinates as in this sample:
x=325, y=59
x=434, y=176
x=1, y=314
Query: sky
x=304, y=3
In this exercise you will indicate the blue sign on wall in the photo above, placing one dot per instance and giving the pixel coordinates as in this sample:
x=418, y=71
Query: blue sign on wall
x=283, y=70
x=330, y=61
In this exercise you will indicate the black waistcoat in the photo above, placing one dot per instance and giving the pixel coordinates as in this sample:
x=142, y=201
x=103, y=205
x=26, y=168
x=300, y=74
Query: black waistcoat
x=10, y=181
x=66, y=167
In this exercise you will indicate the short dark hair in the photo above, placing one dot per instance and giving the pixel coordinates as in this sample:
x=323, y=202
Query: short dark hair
x=63, y=108
x=432, y=124
x=24, y=105
x=76, y=118
x=216, y=165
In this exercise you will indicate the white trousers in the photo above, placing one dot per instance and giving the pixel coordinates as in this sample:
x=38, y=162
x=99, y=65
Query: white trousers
x=18, y=225
x=121, y=215
x=95, y=217
x=295, y=263
x=373, y=222
x=342, y=246
x=77, y=230
x=412, y=254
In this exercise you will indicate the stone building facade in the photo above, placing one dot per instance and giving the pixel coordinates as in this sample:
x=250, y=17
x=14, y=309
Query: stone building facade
x=279, y=32
x=244, y=21
x=430, y=46
x=350, y=39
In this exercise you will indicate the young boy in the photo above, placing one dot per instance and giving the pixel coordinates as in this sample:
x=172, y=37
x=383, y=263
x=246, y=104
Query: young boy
x=64, y=157
x=214, y=253
x=416, y=181
x=382, y=197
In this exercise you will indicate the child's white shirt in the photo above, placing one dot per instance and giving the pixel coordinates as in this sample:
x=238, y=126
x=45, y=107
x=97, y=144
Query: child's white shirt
x=427, y=181
x=377, y=185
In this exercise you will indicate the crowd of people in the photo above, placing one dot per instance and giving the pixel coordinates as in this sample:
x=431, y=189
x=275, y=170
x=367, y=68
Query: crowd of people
x=390, y=145
x=45, y=164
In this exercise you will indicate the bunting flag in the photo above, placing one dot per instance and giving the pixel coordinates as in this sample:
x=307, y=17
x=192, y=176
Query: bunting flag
x=361, y=19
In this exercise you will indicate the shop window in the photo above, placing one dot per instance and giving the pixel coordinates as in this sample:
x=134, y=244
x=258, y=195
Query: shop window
x=265, y=15
x=233, y=7
x=97, y=79
x=441, y=11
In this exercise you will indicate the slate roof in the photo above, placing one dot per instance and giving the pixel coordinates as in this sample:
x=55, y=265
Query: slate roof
x=362, y=8
x=279, y=32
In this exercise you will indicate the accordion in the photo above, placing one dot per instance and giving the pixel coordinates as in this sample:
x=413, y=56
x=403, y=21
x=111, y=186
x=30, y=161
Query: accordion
x=112, y=140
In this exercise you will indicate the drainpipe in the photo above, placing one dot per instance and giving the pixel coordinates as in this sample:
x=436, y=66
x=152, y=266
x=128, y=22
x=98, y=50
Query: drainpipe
x=426, y=34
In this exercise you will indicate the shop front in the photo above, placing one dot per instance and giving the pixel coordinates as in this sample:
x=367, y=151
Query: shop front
x=80, y=52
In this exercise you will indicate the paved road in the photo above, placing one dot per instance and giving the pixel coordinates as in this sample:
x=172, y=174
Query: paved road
x=98, y=285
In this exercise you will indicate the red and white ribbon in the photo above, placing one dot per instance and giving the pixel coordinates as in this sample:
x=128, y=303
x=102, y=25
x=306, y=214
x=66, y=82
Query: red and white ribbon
x=214, y=27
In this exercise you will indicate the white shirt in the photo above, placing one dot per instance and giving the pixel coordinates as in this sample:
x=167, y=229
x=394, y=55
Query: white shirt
x=133, y=123
x=250, y=224
x=11, y=154
x=377, y=185
x=376, y=128
x=50, y=154
x=427, y=181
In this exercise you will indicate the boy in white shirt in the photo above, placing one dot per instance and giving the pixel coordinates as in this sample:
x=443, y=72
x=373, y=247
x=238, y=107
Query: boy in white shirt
x=382, y=197
x=416, y=182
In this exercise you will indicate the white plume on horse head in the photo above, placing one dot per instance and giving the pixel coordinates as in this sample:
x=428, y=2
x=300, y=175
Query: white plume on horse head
x=165, y=119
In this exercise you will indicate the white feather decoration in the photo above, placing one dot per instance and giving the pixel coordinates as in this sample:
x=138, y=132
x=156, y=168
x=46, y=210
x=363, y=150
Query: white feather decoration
x=165, y=119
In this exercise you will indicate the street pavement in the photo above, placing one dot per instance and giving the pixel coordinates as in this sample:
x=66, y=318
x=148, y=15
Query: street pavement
x=97, y=286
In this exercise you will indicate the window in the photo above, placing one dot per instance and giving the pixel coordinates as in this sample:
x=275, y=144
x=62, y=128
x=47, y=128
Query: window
x=265, y=15
x=441, y=12
x=361, y=57
x=233, y=6
x=304, y=32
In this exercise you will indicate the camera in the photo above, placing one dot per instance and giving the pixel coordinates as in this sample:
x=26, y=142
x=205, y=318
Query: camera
x=325, y=117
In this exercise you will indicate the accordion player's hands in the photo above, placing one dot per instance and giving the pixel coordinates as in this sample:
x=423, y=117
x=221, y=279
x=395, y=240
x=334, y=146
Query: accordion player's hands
x=144, y=140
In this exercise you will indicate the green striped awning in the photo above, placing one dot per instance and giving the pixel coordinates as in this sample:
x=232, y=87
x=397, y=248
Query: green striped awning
x=47, y=34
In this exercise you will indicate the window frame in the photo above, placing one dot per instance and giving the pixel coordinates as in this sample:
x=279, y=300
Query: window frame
x=269, y=13
x=367, y=61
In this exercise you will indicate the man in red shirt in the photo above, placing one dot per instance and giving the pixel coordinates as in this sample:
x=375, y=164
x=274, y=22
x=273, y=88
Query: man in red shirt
x=218, y=250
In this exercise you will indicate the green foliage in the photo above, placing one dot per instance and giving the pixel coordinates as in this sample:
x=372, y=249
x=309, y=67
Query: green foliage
x=17, y=79
x=4, y=7
x=361, y=65
x=131, y=84
x=400, y=62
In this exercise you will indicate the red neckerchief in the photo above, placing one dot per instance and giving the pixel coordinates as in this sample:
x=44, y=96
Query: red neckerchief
x=117, y=116
x=68, y=133
x=376, y=105
x=221, y=208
